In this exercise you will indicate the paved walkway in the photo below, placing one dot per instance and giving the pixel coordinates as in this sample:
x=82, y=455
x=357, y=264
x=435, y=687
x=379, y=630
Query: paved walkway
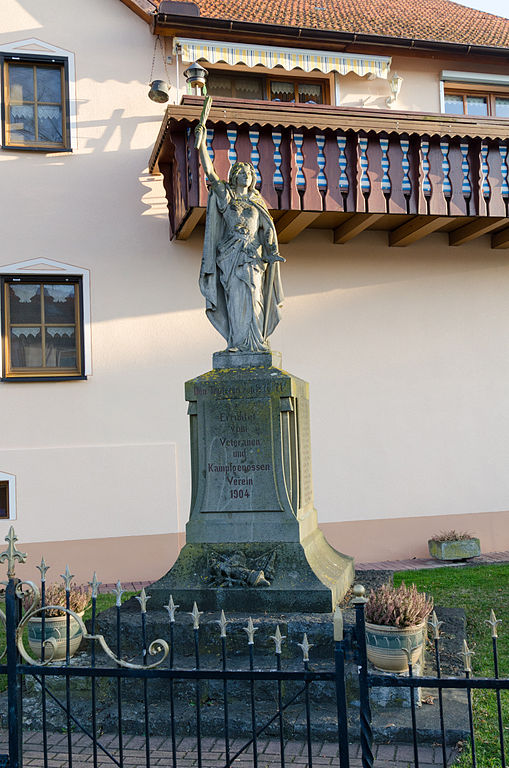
x=415, y=564
x=386, y=755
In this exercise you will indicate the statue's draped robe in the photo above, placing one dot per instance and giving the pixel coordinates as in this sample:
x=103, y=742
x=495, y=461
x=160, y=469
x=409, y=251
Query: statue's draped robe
x=235, y=277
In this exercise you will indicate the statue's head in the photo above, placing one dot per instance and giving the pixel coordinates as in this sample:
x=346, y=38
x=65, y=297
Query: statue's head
x=239, y=168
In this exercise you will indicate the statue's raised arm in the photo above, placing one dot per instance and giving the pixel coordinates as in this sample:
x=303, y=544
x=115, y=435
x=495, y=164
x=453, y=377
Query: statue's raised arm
x=240, y=267
x=201, y=145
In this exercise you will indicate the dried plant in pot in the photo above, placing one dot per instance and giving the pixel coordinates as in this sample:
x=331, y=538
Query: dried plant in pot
x=454, y=545
x=55, y=622
x=396, y=620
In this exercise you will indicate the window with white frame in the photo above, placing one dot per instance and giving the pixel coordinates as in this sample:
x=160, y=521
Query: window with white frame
x=38, y=97
x=7, y=496
x=45, y=310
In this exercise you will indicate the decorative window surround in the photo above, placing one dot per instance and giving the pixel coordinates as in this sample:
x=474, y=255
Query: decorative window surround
x=34, y=47
x=45, y=266
x=5, y=477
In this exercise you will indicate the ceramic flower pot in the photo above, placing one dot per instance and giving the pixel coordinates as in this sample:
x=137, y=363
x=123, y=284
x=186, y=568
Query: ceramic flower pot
x=386, y=646
x=55, y=627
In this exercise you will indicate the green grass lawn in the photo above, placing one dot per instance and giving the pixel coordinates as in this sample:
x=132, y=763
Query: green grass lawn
x=476, y=589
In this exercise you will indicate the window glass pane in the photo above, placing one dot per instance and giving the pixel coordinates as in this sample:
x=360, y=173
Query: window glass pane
x=26, y=347
x=48, y=85
x=59, y=303
x=248, y=88
x=60, y=347
x=22, y=123
x=477, y=105
x=453, y=104
x=4, y=499
x=50, y=123
x=501, y=107
x=281, y=91
x=219, y=85
x=25, y=303
x=21, y=82
x=310, y=93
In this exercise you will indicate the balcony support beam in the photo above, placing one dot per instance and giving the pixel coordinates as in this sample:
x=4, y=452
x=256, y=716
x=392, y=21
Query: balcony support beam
x=354, y=226
x=190, y=223
x=474, y=230
x=500, y=239
x=415, y=229
x=292, y=223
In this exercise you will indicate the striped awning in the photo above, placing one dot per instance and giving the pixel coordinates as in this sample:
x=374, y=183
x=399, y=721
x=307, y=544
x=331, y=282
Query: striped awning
x=288, y=58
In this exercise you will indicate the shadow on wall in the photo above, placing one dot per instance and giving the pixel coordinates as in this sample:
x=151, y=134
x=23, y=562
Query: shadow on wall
x=314, y=265
x=117, y=135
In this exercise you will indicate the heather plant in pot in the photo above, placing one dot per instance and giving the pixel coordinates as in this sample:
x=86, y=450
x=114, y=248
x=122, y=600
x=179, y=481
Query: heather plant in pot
x=55, y=621
x=396, y=624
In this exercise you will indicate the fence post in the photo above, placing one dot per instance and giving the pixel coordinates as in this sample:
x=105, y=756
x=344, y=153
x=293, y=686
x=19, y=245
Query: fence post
x=13, y=682
x=339, y=660
x=359, y=602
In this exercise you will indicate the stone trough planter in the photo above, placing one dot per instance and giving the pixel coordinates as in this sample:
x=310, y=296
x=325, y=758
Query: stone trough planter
x=458, y=549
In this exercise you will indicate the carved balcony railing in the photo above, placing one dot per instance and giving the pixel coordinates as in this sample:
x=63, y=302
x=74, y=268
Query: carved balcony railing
x=345, y=169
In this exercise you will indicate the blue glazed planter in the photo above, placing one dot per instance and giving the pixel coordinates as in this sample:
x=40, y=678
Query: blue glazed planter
x=55, y=627
x=386, y=646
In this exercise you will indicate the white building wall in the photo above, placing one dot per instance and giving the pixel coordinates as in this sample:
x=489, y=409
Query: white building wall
x=404, y=349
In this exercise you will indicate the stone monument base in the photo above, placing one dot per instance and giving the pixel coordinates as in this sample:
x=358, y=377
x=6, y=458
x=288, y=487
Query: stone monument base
x=309, y=577
x=252, y=538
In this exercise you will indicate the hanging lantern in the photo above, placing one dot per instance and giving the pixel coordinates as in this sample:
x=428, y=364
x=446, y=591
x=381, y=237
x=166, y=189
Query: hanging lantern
x=196, y=77
x=159, y=91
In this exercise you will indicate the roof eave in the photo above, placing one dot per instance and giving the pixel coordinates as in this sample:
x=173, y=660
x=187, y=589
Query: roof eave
x=142, y=8
x=175, y=23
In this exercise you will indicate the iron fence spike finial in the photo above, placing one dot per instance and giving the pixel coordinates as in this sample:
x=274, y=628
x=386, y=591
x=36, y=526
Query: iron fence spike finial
x=95, y=584
x=43, y=568
x=466, y=655
x=250, y=630
x=359, y=593
x=171, y=608
x=67, y=576
x=493, y=622
x=222, y=621
x=143, y=598
x=435, y=624
x=11, y=554
x=278, y=639
x=305, y=646
x=195, y=613
x=118, y=592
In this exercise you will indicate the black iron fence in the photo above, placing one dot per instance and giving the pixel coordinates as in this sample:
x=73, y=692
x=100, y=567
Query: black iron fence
x=292, y=681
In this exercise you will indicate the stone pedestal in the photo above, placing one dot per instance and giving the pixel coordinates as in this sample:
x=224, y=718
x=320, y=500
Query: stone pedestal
x=252, y=536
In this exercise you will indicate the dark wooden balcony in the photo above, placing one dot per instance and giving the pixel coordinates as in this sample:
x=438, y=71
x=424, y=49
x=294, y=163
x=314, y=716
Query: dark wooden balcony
x=347, y=170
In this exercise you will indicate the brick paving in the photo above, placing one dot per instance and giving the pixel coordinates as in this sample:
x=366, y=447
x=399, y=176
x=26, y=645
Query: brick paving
x=415, y=563
x=213, y=754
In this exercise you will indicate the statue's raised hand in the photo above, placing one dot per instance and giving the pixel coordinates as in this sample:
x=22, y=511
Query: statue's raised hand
x=199, y=133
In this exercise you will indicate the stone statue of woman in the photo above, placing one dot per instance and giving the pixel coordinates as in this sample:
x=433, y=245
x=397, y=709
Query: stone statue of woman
x=239, y=275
